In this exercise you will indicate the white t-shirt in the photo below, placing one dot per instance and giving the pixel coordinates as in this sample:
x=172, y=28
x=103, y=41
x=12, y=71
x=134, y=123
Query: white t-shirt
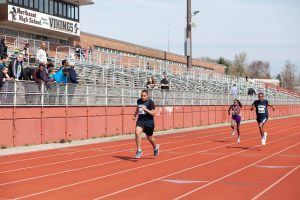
x=41, y=56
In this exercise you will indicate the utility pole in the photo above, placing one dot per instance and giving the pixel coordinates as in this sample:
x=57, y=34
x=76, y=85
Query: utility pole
x=188, y=42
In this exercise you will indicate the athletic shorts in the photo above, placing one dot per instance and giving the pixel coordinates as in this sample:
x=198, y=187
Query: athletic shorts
x=262, y=120
x=147, y=130
x=236, y=118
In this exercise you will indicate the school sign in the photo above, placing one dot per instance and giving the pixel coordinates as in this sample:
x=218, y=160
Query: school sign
x=37, y=19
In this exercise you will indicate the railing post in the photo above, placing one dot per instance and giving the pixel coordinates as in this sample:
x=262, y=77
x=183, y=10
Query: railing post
x=106, y=95
x=15, y=93
x=42, y=97
x=66, y=94
x=122, y=96
x=87, y=95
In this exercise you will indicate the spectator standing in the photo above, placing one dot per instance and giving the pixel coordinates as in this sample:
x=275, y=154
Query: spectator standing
x=53, y=89
x=234, y=91
x=16, y=67
x=5, y=97
x=41, y=55
x=26, y=50
x=62, y=77
x=64, y=64
x=78, y=50
x=3, y=47
x=74, y=81
x=3, y=61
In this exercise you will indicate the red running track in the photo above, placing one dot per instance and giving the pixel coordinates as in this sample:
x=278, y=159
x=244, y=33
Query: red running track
x=204, y=164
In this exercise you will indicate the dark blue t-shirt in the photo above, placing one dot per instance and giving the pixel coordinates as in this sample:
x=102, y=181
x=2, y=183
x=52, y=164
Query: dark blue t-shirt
x=145, y=118
x=261, y=108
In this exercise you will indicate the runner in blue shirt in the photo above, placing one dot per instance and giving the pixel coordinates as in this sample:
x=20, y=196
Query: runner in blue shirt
x=145, y=123
x=262, y=115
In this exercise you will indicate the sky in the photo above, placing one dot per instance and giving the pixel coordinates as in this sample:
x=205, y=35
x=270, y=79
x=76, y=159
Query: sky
x=267, y=30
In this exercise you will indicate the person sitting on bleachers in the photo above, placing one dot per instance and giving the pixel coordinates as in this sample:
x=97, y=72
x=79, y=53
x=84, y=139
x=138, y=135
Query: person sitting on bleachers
x=251, y=91
x=150, y=84
x=41, y=55
x=15, y=68
x=3, y=61
x=164, y=83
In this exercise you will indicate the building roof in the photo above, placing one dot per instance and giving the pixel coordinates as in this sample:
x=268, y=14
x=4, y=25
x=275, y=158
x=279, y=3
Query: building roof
x=81, y=2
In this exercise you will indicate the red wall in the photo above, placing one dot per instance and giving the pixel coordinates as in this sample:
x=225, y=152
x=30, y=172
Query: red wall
x=26, y=125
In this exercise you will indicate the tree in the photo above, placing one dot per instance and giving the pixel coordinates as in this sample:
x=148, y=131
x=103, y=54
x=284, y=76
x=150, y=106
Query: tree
x=278, y=77
x=259, y=69
x=239, y=64
x=227, y=63
x=288, y=75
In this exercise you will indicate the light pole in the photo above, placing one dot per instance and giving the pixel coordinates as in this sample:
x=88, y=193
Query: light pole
x=188, y=39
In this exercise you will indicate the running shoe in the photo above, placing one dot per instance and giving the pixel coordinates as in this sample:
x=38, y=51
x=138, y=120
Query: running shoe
x=233, y=132
x=156, y=150
x=138, y=154
x=265, y=137
x=239, y=140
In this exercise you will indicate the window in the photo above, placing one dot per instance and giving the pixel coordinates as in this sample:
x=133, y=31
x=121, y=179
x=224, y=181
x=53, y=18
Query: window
x=51, y=7
x=69, y=10
x=16, y=1
x=76, y=13
x=9, y=1
x=60, y=8
x=21, y=2
x=30, y=3
x=72, y=12
x=36, y=4
x=26, y=3
x=64, y=10
x=55, y=7
x=41, y=5
x=46, y=6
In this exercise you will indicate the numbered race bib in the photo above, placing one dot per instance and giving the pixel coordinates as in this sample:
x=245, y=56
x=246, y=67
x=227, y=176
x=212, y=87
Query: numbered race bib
x=141, y=111
x=261, y=109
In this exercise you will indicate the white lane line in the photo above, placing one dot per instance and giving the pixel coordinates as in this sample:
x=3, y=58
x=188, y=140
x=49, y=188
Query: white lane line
x=132, y=169
x=275, y=183
x=273, y=166
x=203, y=131
x=187, y=169
x=98, y=155
x=185, y=181
x=235, y=172
x=97, y=165
x=87, y=157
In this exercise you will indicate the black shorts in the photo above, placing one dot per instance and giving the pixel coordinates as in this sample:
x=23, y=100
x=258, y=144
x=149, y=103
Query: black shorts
x=147, y=130
x=262, y=120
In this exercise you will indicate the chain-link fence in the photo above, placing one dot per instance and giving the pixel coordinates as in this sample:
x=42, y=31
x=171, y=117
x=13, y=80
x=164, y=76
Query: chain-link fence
x=24, y=93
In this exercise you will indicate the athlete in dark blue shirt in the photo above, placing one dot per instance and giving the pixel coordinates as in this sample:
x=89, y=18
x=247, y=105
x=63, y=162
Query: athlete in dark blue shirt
x=262, y=115
x=145, y=123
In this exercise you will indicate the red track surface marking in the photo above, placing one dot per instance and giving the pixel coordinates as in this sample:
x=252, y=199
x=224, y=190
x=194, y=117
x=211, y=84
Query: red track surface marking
x=209, y=155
